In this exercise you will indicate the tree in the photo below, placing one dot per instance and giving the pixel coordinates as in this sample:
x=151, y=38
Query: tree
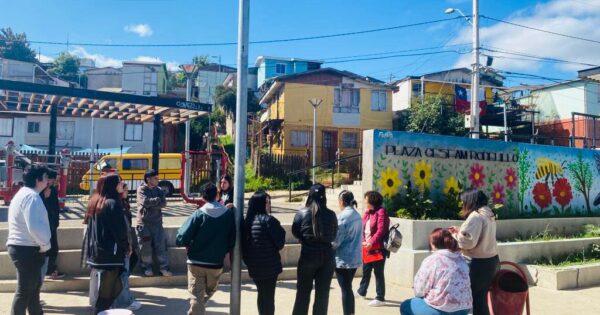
x=199, y=126
x=66, y=67
x=176, y=79
x=15, y=46
x=582, y=173
x=225, y=97
x=431, y=115
x=200, y=60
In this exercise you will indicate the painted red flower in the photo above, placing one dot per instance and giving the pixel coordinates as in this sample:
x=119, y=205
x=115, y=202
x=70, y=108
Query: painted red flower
x=511, y=178
x=541, y=195
x=562, y=192
x=477, y=176
x=498, y=194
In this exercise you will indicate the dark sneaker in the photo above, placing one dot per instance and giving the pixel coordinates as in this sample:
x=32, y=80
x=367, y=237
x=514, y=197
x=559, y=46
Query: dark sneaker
x=56, y=275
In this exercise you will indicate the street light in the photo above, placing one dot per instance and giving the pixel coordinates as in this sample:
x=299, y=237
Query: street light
x=189, y=70
x=474, y=113
x=315, y=102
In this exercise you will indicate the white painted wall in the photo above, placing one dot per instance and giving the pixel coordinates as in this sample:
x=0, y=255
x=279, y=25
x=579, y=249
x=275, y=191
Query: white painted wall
x=592, y=99
x=401, y=98
x=558, y=102
x=109, y=133
x=104, y=78
x=18, y=137
x=207, y=83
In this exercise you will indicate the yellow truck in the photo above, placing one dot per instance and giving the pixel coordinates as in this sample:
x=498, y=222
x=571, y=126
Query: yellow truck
x=132, y=166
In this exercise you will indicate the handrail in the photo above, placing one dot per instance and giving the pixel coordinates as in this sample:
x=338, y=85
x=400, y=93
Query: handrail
x=323, y=163
x=331, y=164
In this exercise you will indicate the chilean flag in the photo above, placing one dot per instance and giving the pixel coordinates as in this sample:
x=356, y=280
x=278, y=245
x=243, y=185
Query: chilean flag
x=463, y=100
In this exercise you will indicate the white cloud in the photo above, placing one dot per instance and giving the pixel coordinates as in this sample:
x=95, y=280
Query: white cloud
x=99, y=59
x=44, y=58
x=142, y=30
x=567, y=17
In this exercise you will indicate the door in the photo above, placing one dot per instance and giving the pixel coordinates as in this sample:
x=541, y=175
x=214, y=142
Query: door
x=330, y=145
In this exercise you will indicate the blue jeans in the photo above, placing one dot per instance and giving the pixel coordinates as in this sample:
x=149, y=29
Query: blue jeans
x=45, y=268
x=124, y=299
x=417, y=306
x=152, y=239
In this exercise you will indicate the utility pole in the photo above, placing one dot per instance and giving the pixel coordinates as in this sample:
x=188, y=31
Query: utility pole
x=235, y=297
x=315, y=102
x=189, y=70
x=475, y=76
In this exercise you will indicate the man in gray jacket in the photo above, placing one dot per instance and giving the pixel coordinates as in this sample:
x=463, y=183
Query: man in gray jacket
x=151, y=234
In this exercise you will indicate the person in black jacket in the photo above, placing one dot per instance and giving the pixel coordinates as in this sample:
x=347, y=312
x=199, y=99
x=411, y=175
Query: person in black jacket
x=316, y=228
x=107, y=243
x=263, y=238
x=50, y=198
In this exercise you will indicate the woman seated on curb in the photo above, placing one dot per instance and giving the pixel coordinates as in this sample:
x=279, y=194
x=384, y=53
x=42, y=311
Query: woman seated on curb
x=442, y=285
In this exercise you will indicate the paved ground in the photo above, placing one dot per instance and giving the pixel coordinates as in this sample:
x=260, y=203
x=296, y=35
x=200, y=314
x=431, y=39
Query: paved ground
x=174, y=301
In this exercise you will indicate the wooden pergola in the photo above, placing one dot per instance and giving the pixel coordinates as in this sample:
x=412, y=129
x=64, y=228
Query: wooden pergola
x=74, y=102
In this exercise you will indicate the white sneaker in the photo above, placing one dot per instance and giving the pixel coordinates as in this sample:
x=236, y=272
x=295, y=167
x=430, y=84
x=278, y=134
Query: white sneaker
x=166, y=273
x=148, y=273
x=135, y=306
x=376, y=303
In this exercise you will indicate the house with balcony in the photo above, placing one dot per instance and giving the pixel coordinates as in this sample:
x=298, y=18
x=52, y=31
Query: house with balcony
x=271, y=67
x=350, y=104
x=556, y=103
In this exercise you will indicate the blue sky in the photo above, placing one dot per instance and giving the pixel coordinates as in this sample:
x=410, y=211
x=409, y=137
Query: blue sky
x=183, y=21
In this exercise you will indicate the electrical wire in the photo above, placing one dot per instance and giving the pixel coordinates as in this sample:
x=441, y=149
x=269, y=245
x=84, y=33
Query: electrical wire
x=281, y=40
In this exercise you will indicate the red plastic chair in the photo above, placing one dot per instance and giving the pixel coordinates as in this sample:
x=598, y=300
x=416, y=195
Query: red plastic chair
x=509, y=292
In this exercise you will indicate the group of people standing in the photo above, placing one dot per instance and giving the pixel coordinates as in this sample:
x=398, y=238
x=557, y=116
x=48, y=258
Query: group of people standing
x=330, y=243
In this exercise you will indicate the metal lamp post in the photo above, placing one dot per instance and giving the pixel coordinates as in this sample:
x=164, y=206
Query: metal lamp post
x=189, y=70
x=315, y=102
x=474, y=114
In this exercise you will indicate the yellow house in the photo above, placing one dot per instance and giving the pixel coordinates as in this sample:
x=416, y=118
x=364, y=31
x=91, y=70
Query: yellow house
x=410, y=89
x=350, y=104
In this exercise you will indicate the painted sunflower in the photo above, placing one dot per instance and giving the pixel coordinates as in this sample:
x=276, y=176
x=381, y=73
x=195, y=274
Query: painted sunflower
x=422, y=175
x=389, y=182
x=451, y=186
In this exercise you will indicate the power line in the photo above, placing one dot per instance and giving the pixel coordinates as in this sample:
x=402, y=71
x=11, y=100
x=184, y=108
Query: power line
x=294, y=39
x=542, y=30
x=402, y=55
x=533, y=58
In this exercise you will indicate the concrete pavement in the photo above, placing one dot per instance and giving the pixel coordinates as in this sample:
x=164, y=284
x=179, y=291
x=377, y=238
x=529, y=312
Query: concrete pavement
x=173, y=300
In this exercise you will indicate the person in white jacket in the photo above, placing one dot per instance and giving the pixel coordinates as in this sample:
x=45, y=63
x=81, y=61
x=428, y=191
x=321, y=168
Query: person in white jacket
x=29, y=240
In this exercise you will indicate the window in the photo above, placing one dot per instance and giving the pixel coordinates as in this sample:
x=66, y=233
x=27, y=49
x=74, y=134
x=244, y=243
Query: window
x=416, y=89
x=280, y=68
x=378, y=100
x=350, y=140
x=346, y=100
x=133, y=132
x=65, y=130
x=300, y=138
x=135, y=164
x=170, y=164
x=33, y=127
x=6, y=127
x=106, y=164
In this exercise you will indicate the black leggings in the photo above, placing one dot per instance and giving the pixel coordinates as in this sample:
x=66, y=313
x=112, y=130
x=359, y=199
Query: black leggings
x=482, y=272
x=344, y=278
x=266, y=295
x=109, y=288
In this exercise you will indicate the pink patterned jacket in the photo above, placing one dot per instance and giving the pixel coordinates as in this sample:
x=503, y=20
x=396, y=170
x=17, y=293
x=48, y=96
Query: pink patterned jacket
x=443, y=281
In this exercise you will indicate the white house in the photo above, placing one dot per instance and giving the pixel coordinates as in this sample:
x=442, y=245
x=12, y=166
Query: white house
x=16, y=70
x=74, y=133
x=102, y=78
x=144, y=78
x=209, y=77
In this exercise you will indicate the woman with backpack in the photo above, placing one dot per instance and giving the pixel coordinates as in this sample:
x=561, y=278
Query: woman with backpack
x=477, y=239
x=106, y=241
x=376, y=224
x=316, y=228
x=262, y=239
x=348, y=248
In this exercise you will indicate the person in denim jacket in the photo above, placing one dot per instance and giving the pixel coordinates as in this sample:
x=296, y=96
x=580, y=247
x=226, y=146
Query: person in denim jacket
x=348, y=248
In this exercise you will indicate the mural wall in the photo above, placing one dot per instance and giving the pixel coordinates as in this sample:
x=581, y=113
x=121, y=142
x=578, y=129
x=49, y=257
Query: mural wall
x=526, y=179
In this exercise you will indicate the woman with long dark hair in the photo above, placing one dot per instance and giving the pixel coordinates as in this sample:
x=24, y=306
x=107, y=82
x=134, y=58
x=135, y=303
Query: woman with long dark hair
x=376, y=224
x=226, y=191
x=477, y=239
x=126, y=298
x=107, y=243
x=316, y=228
x=262, y=239
x=348, y=248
